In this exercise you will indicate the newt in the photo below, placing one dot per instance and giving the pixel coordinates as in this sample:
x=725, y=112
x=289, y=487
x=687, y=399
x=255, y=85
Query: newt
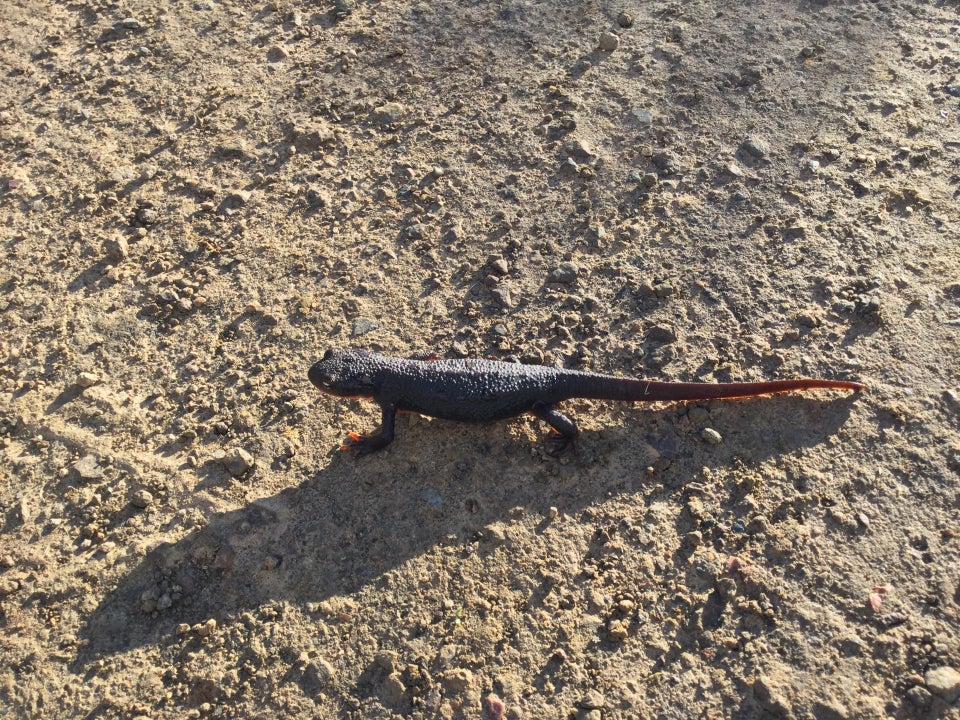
x=486, y=390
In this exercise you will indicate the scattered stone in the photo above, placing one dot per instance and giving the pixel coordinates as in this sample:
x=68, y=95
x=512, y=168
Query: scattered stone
x=755, y=148
x=342, y=8
x=116, y=248
x=363, y=325
x=499, y=266
x=141, y=498
x=205, y=629
x=625, y=20
x=147, y=216
x=593, y=700
x=393, y=690
x=503, y=296
x=239, y=197
x=415, y=231
x=579, y=150
x=130, y=23
x=617, y=631
x=8, y=586
x=319, y=673
x=312, y=135
x=87, y=379
x=952, y=400
x=711, y=436
x=808, y=318
x=457, y=680
x=772, y=698
x=387, y=113
x=88, y=468
x=493, y=708
x=662, y=334
x=644, y=116
x=944, y=682
x=565, y=273
x=609, y=41
x=278, y=52
x=238, y=461
x=733, y=170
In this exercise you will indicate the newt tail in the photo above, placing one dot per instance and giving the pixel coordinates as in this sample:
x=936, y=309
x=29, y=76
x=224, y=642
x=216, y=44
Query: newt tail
x=485, y=390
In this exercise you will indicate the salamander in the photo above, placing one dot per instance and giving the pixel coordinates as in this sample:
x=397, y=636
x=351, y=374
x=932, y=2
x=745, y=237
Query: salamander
x=485, y=390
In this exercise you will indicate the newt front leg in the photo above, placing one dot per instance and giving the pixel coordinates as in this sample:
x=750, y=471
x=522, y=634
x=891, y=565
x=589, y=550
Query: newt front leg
x=364, y=444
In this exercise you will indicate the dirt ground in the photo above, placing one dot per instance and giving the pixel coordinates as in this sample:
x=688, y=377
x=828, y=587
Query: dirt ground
x=197, y=197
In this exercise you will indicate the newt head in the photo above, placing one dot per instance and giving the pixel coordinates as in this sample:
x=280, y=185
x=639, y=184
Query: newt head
x=345, y=374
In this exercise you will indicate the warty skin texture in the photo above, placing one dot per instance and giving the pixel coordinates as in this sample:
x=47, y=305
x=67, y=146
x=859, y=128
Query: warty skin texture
x=485, y=390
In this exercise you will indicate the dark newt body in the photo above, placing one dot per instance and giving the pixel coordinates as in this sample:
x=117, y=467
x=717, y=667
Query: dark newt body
x=485, y=390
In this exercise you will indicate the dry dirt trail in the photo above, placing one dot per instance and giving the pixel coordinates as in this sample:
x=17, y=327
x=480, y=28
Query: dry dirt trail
x=197, y=197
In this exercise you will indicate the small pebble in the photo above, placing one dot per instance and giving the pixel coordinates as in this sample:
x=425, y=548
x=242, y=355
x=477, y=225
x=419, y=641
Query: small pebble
x=238, y=461
x=755, y=147
x=387, y=113
x=141, y=498
x=87, y=379
x=205, y=629
x=493, y=708
x=565, y=273
x=499, y=266
x=625, y=20
x=711, y=436
x=363, y=325
x=609, y=41
x=944, y=682
x=88, y=468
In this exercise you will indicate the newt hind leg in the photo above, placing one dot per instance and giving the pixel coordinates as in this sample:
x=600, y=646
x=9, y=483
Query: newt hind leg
x=565, y=430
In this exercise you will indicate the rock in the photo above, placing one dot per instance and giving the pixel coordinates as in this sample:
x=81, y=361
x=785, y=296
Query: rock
x=342, y=8
x=312, y=135
x=147, y=216
x=239, y=197
x=662, y=334
x=617, y=631
x=457, y=680
x=756, y=148
x=503, y=296
x=116, y=248
x=771, y=698
x=666, y=162
x=8, y=586
x=130, y=23
x=387, y=113
x=88, y=468
x=625, y=20
x=593, y=700
x=363, y=325
x=609, y=41
x=393, y=690
x=499, y=266
x=415, y=231
x=87, y=379
x=711, y=436
x=238, y=461
x=644, y=116
x=141, y=498
x=493, y=708
x=320, y=671
x=565, y=273
x=944, y=682
x=579, y=150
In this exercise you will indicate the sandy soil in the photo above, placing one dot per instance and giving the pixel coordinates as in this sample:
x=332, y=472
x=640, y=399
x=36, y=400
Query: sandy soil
x=198, y=197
